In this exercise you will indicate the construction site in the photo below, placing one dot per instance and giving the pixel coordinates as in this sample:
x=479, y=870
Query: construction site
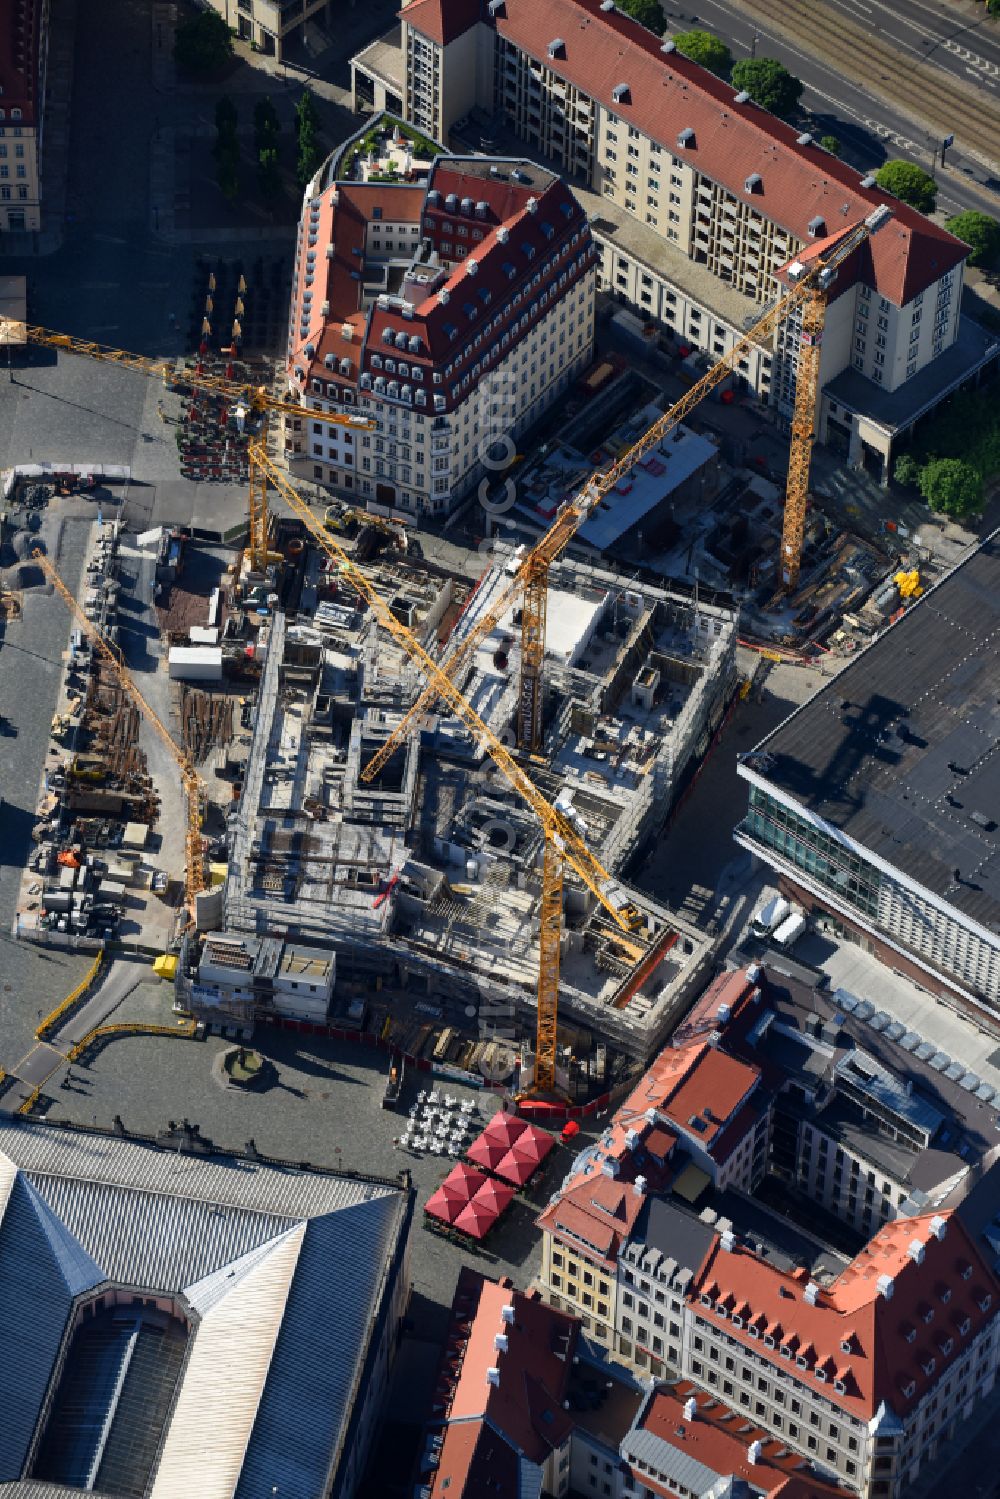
x=424, y=824
x=425, y=881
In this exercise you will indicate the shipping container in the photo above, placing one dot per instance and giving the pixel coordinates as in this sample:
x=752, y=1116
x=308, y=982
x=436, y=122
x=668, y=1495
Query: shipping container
x=200, y=663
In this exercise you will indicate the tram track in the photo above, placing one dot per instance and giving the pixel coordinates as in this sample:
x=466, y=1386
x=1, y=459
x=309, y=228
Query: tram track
x=923, y=92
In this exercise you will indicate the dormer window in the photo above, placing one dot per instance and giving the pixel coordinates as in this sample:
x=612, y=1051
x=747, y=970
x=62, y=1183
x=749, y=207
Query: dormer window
x=910, y=1389
x=685, y=139
x=817, y=227
x=927, y=1363
x=964, y=1326
x=846, y=1346
x=985, y=1302
x=754, y=183
x=945, y=1294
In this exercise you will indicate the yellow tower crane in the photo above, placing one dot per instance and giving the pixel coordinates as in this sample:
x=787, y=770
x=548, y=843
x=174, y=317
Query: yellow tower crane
x=194, y=875
x=563, y=846
x=811, y=277
x=255, y=399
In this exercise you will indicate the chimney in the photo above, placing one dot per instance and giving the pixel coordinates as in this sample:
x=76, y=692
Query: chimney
x=810, y=1293
x=651, y=1116
x=632, y=1138
x=753, y=1453
x=884, y=1286
x=500, y=1342
x=507, y=1315
x=938, y=1226
x=728, y=1240
x=915, y=1250
x=493, y=1376
x=639, y=1186
x=690, y=1409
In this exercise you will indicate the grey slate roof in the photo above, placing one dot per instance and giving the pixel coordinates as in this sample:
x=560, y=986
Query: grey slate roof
x=902, y=750
x=314, y=1250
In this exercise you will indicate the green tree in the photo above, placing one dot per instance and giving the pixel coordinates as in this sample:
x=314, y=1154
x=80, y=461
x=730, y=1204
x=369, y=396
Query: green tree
x=768, y=83
x=266, y=126
x=993, y=7
x=267, y=173
x=952, y=486
x=310, y=156
x=646, y=12
x=909, y=183
x=226, y=118
x=907, y=470
x=203, y=44
x=979, y=231
x=706, y=49
x=306, y=113
x=830, y=143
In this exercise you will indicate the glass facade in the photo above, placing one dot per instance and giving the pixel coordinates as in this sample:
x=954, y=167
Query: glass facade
x=854, y=881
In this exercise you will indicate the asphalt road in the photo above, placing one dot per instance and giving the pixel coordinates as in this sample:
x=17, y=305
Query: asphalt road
x=870, y=132
x=958, y=38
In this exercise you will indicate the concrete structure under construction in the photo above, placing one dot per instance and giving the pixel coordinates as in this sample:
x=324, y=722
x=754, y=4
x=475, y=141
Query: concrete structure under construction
x=426, y=881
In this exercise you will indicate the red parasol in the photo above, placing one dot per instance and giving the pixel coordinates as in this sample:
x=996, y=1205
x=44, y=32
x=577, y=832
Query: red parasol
x=516, y=1169
x=505, y=1128
x=496, y=1196
x=487, y=1152
x=445, y=1209
x=476, y=1219
x=462, y=1183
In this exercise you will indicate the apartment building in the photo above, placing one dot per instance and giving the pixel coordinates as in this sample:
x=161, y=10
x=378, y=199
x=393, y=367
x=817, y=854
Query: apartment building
x=24, y=29
x=697, y=1118
x=874, y=800
x=269, y=25
x=868, y=1376
x=522, y=1405
x=697, y=198
x=442, y=314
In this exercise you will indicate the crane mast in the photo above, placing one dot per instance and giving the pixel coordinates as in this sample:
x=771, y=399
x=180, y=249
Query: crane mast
x=255, y=397
x=562, y=845
x=194, y=875
x=530, y=582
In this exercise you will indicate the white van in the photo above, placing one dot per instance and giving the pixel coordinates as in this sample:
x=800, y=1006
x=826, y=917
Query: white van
x=790, y=930
x=770, y=916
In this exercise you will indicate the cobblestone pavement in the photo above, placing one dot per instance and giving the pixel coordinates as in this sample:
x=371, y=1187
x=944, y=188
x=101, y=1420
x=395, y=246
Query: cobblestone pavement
x=323, y=1106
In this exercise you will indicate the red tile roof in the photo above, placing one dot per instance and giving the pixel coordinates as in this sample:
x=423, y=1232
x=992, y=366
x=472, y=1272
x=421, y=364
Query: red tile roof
x=489, y=1425
x=685, y=1082
x=721, y=1440
x=714, y=1088
x=735, y=991
x=20, y=36
x=538, y=219
x=852, y=1330
x=669, y=93
x=443, y=20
